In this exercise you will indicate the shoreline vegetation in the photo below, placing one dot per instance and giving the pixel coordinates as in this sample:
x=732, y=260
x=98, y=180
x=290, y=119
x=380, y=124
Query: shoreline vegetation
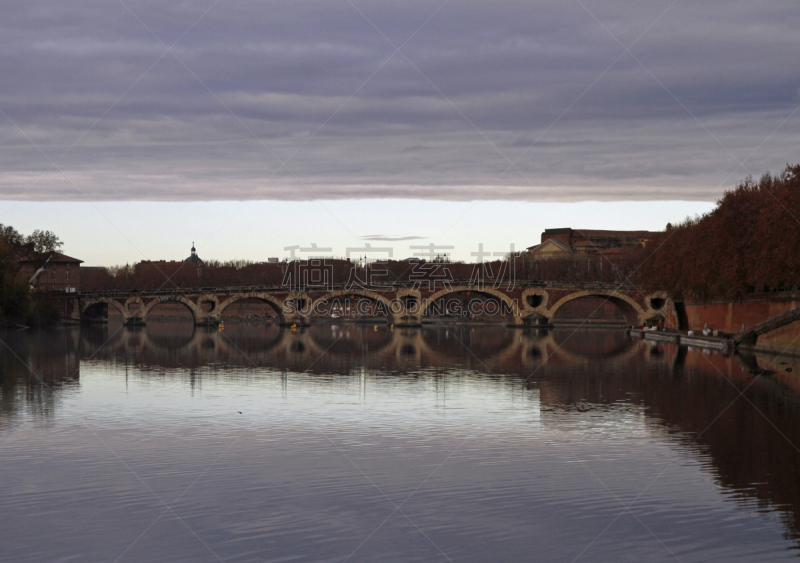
x=18, y=304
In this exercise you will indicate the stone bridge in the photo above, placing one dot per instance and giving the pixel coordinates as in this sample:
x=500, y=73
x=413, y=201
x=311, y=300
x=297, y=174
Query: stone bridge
x=519, y=305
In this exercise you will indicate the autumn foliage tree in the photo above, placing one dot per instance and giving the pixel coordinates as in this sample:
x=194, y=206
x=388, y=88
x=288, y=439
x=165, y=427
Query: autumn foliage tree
x=748, y=243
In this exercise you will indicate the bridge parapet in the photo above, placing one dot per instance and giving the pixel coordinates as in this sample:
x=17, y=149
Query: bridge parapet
x=520, y=304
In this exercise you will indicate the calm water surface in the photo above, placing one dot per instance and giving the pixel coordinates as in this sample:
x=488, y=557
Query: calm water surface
x=362, y=443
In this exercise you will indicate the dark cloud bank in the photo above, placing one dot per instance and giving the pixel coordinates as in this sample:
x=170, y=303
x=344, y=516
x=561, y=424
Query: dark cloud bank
x=481, y=85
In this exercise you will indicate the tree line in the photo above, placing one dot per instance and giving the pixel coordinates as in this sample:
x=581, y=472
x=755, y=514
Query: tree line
x=179, y=275
x=747, y=244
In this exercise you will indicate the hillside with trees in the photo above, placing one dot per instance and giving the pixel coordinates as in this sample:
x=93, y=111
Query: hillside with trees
x=747, y=244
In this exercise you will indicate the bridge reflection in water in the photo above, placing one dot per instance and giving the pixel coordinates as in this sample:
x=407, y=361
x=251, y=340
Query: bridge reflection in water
x=339, y=349
x=678, y=392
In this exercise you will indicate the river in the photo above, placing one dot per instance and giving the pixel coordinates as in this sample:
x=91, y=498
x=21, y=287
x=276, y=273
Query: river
x=364, y=443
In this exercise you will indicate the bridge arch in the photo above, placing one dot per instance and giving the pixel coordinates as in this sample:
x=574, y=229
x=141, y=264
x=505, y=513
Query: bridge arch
x=193, y=309
x=510, y=304
x=633, y=312
x=545, y=348
x=89, y=303
x=365, y=293
x=276, y=304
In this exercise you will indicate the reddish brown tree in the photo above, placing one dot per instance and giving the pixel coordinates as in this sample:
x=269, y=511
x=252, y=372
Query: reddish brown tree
x=747, y=244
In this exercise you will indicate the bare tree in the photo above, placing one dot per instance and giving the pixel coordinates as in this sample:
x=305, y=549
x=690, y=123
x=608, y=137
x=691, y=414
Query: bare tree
x=44, y=241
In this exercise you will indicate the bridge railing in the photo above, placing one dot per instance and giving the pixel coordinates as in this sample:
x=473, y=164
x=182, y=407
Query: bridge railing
x=377, y=288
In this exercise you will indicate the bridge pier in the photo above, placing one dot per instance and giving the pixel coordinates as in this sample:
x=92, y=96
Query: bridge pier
x=202, y=318
x=295, y=320
x=134, y=320
x=406, y=321
x=408, y=309
x=534, y=320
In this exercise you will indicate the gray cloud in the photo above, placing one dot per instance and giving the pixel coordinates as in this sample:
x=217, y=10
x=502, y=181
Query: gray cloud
x=513, y=100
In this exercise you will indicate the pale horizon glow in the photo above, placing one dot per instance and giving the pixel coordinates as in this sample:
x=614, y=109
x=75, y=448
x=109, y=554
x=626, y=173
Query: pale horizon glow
x=113, y=233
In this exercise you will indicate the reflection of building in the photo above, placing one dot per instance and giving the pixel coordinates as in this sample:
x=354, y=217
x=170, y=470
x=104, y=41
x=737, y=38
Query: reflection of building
x=59, y=273
x=559, y=243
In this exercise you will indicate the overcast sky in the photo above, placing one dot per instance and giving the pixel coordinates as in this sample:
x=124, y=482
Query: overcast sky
x=460, y=100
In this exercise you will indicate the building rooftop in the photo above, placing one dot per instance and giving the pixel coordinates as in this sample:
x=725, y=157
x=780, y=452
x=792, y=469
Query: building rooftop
x=56, y=257
x=560, y=245
x=599, y=233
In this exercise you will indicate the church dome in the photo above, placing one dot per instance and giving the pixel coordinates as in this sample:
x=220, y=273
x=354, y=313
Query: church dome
x=194, y=258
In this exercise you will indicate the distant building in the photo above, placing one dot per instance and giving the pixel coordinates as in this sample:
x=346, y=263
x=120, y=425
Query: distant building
x=171, y=265
x=550, y=248
x=59, y=272
x=559, y=243
x=170, y=271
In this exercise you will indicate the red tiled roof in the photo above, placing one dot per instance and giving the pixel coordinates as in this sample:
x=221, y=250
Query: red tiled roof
x=56, y=258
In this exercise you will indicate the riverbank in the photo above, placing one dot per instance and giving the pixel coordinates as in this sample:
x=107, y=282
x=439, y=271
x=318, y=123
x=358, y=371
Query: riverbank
x=722, y=343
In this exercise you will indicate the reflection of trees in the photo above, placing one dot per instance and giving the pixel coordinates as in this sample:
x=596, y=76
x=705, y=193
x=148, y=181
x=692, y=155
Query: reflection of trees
x=749, y=454
x=684, y=392
x=41, y=364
